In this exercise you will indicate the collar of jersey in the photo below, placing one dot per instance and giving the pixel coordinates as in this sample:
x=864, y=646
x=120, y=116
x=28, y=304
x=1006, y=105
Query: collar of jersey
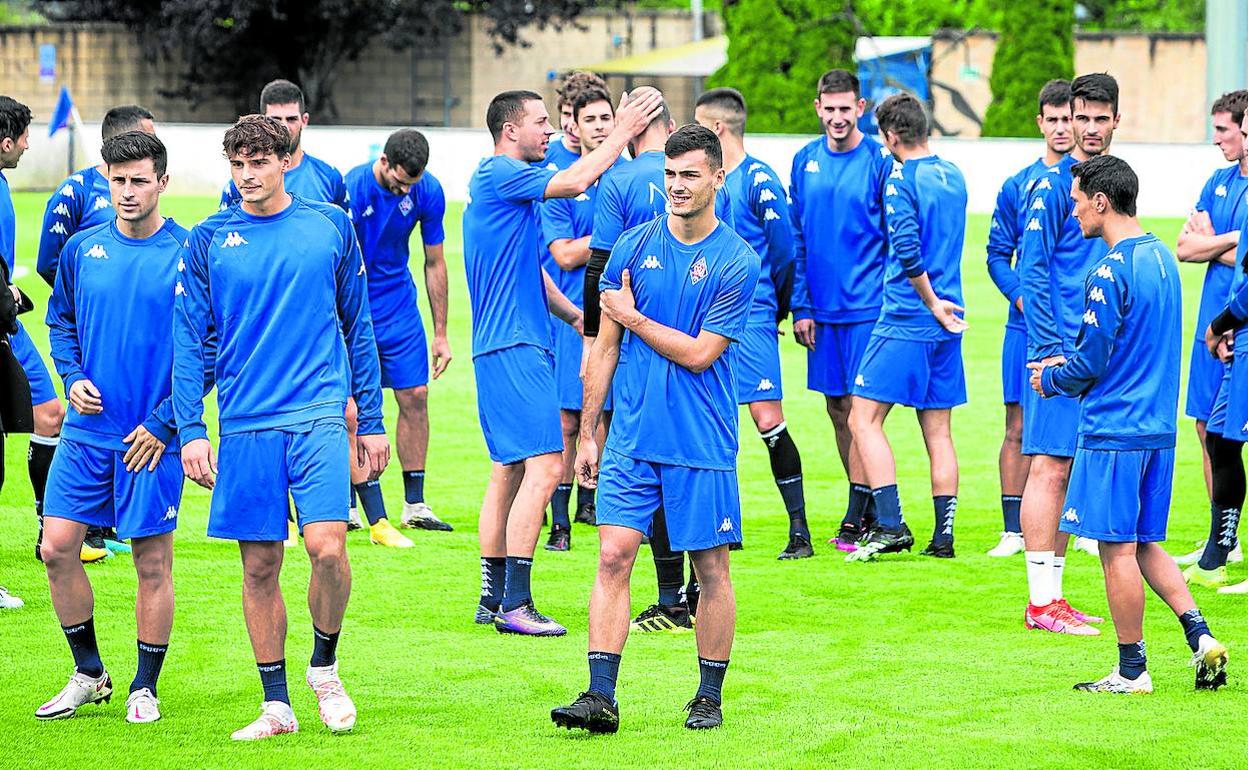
x=295, y=202
x=679, y=244
x=123, y=238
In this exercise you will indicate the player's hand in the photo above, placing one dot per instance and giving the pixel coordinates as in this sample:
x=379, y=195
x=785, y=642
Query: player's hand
x=1037, y=369
x=373, y=454
x=1018, y=303
x=440, y=352
x=1221, y=346
x=199, y=463
x=618, y=304
x=145, y=449
x=946, y=313
x=578, y=324
x=637, y=110
x=85, y=397
x=587, y=462
x=804, y=333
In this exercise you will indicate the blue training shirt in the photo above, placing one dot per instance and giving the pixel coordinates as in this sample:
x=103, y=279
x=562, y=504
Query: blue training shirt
x=110, y=321
x=1004, y=235
x=1225, y=198
x=665, y=413
x=838, y=227
x=569, y=218
x=383, y=224
x=1054, y=261
x=288, y=298
x=502, y=255
x=8, y=225
x=80, y=202
x=760, y=209
x=313, y=180
x=925, y=211
x=1126, y=362
x=558, y=156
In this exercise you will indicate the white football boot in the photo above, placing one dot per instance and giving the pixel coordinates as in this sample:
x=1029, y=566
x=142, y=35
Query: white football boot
x=142, y=707
x=337, y=710
x=276, y=718
x=80, y=691
x=1011, y=543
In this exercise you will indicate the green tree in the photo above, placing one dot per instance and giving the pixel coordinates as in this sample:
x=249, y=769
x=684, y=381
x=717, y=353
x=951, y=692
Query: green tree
x=1142, y=15
x=1036, y=45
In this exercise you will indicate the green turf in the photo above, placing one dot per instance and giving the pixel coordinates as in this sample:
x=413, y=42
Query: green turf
x=905, y=663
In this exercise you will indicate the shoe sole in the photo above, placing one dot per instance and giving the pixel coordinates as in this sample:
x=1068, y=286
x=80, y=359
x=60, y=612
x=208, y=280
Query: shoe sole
x=428, y=526
x=1214, y=663
x=701, y=726
x=514, y=632
x=408, y=544
x=1037, y=627
x=72, y=712
x=787, y=556
x=596, y=726
x=550, y=547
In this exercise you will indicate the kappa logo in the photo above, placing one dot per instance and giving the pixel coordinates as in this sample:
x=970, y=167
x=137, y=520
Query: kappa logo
x=97, y=251
x=405, y=205
x=58, y=228
x=1097, y=294
x=1103, y=271
x=552, y=166
x=766, y=196
x=102, y=203
x=171, y=513
x=890, y=191
x=1043, y=184
x=725, y=525
x=698, y=271
x=753, y=167
x=770, y=215
x=896, y=172
x=1089, y=318
x=860, y=381
x=1071, y=515
x=652, y=262
x=1034, y=224
x=1037, y=204
x=367, y=212
x=656, y=190
x=812, y=166
x=78, y=178
x=1221, y=191
x=888, y=209
x=224, y=205
x=1116, y=256
x=765, y=384
x=760, y=177
x=178, y=289
x=181, y=265
x=61, y=210
x=361, y=271
x=233, y=239
x=582, y=198
x=67, y=191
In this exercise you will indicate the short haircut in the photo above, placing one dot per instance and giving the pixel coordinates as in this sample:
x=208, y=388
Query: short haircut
x=575, y=82
x=838, y=82
x=1096, y=87
x=507, y=107
x=135, y=145
x=282, y=92
x=1234, y=102
x=730, y=104
x=903, y=115
x=587, y=96
x=257, y=135
x=694, y=137
x=14, y=118
x=1055, y=93
x=123, y=118
x=1111, y=176
x=408, y=149
x=665, y=115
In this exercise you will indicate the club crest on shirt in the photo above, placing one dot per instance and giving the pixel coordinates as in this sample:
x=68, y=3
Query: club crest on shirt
x=698, y=271
x=405, y=205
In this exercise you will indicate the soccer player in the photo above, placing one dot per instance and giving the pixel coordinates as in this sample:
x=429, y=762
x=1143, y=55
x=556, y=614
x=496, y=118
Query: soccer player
x=1008, y=219
x=1054, y=259
x=110, y=322
x=1211, y=235
x=836, y=191
x=566, y=227
x=682, y=286
x=80, y=202
x=389, y=197
x=273, y=269
x=566, y=150
x=1125, y=371
x=512, y=298
x=761, y=213
x=914, y=356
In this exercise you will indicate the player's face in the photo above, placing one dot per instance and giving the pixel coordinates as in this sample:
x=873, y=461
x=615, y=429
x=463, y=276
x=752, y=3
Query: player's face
x=1089, y=211
x=11, y=150
x=533, y=131
x=839, y=114
x=1243, y=130
x=566, y=122
x=290, y=115
x=395, y=178
x=135, y=188
x=690, y=183
x=258, y=177
x=1054, y=122
x=1227, y=136
x=593, y=124
x=1093, y=124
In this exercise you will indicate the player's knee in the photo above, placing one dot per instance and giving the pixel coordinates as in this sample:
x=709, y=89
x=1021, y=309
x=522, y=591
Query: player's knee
x=153, y=570
x=547, y=469
x=838, y=409
x=261, y=572
x=860, y=422
x=327, y=553
x=1014, y=433
x=412, y=400
x=48, y=417
x=615, y=561
x=59, y=553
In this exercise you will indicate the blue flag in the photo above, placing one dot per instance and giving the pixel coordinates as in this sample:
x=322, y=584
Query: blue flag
x=62, y=113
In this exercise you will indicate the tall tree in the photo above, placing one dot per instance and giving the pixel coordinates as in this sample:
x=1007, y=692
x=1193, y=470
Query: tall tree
x=1036, y=44
x=230, y=48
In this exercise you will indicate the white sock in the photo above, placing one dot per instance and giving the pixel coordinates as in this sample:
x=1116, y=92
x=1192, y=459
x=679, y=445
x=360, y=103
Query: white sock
x=1040, y=577
x=1059, y=564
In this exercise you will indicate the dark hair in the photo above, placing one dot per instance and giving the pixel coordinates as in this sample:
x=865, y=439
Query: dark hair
x=1111, y=176
x=575, y=82
x=1096, y=87
x=1234, y=102
x=731, y=107
x=507, y=107
x=135, y=145
x=693, y=137
x=126, y=117
x=904, y=116
x=282, y=92
x=257, y=135
x=587, y=96
x=409, y=149
x=14, y=118
x=1055, y=93
x=664, y=117
x=839, y=82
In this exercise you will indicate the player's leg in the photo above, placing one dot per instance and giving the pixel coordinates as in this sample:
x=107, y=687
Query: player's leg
x=264, y=611
x=368, y=492
x=492, y=533
x=786, y=470
x=938, y=438
x=672, y=611
x=524, y=525
x=717, y=622
x=890, y=534
x=1163, y=576
x=1125, y=591
x=1013, y=466
x=560, y=523
x=412, y=443
x=153, y=610
x=1227, y=499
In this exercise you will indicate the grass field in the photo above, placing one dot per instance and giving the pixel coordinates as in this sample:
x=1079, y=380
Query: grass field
x=905, y=663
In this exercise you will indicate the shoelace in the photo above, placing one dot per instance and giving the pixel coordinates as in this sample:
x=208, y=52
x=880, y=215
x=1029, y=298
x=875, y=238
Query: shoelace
x=329, y=688
x=1065, y=614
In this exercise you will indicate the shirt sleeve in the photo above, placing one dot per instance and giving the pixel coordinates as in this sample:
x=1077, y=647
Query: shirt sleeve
x=557, y=221
x=1002, y=242
x=730, y=309
x=1046, y=217
x=192, y=347
x=1104, y=308
x=723, y=208
x=771, y=209
x=901, y=218
x=229, y=196
x=621, y=258
x=1205, y=201
x=62, y=322
x=518, y=182
x=432, y=211
x=60, y=221
x=357, y=331
x=341, y=198
x=801, y=292
x=608, y=215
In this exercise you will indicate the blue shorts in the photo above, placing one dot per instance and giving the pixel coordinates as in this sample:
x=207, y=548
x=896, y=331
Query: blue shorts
x=1119, y=496
x=568, y=349
x=23, y=347
x=921, y=374
x=1216, y=423
x=1203, y=379
x=260, y=471
x=833, y=364
x=91, y=486
x=1233, y=422
x=1014, y=365
x=701, y=508
x=518, y=403
x=403, y=352
x=1050, y=425
x=758, y=363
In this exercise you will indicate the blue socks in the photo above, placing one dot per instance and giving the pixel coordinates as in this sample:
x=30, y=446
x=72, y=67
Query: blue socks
x=151, y=658
x=1131, y=659
x=324, y=647
x=559, y=506
x=414, y=486
x=1011, y=506
x=1223, y=534
x=584, y=497
x=372, y=501
x=273, y=678
x=946, y=506
x=859, y=498
x=712, y=685
x=1194, y=626
x=86, y=652
x=887, y=507
x=604, y=670
x=493, y=579
x=516, y=591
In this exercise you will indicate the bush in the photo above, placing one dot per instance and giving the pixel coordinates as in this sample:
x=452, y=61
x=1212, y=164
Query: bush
x=1036, y=45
